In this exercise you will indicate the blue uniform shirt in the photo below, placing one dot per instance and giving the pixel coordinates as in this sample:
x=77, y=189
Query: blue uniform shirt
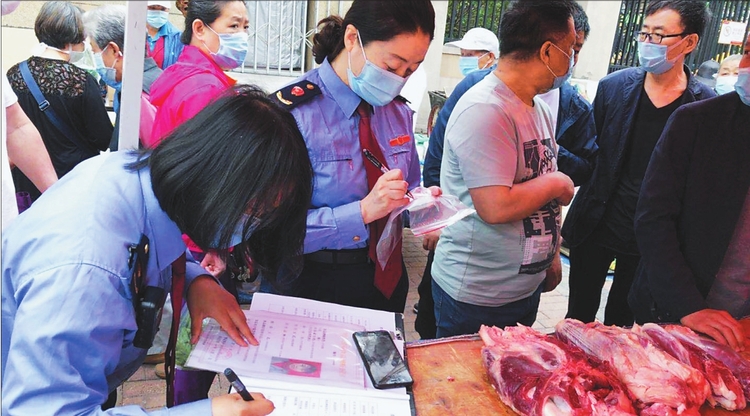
x=330, y=125
x=68, y=320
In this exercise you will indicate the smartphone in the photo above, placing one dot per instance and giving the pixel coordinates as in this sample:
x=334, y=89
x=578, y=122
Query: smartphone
x=384, y=364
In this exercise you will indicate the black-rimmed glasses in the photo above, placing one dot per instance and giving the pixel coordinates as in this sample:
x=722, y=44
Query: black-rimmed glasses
x=654, y=37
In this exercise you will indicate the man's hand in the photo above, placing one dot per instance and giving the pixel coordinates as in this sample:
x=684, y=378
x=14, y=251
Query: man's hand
x=429, y=240
x=718, y=325
x=554, y=275
x=206, y=298
x=566, y=188
x=232, y=404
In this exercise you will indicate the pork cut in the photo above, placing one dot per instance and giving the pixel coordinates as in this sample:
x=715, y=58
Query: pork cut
x=657, y=383
x=737, y=364
x=726, y=390
x=536, y=374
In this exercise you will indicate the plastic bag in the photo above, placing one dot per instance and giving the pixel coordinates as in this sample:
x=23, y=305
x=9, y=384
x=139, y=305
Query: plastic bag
x=427, y=213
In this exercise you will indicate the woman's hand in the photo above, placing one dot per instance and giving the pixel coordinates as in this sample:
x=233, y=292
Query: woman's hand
x=214, y=263
x=206, y=298
x=388, y=194
x=232, y=404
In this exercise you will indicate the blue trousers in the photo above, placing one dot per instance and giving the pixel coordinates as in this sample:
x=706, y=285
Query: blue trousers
x=459, y=318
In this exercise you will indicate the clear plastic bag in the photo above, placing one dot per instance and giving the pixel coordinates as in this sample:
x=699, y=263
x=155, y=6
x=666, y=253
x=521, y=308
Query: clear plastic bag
x=427, y=213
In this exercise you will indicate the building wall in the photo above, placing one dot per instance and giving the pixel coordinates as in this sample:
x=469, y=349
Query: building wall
x=440, y=64
x=592, y=63
x=18, y=28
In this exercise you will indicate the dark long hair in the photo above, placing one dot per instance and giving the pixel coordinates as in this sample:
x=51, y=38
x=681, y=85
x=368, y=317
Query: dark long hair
x=207, y=11
x=376, y=20
x=241, y=155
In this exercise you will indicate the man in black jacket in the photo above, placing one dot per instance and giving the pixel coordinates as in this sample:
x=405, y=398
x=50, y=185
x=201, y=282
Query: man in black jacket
x=630, y=110
x=693, y=219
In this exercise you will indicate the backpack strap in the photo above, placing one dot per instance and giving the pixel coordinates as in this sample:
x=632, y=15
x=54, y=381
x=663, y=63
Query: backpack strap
x=46, y=108
x=295, y=94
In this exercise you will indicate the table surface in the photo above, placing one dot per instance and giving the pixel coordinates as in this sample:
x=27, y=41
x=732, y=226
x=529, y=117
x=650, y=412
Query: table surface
x=449, y=379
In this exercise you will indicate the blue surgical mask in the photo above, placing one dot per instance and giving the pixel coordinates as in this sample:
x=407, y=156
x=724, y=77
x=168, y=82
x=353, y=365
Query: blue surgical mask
x=742, y=86
x=653, y=57
x=108, y=74
x=560, y=80
x=237, y=235
x=469, y=64
x=157, y=18
x=232, y=49
x=725, y=84
x=374, y=84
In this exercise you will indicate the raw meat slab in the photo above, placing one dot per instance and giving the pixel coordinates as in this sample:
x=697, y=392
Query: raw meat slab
x=449, y=379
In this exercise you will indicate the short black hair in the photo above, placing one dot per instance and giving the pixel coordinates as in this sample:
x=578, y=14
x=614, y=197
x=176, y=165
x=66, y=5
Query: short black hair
x=580, y=19
x=207, y=11
x=241, y=157
x=529, y=23
x=694, y=14
x=376, y=21
x=59, y=23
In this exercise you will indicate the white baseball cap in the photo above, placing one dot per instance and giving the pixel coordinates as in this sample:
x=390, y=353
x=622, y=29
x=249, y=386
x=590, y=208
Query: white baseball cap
x=164, y=4
x=478, y=39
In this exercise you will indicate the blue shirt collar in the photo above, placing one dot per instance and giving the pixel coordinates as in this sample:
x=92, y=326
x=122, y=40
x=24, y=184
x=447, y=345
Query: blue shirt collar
x=344, y=97
x=165, y=236
x=164, y=30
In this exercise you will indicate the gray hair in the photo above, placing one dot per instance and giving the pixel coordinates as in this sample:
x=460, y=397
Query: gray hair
x=106, y=24
x=59, y=24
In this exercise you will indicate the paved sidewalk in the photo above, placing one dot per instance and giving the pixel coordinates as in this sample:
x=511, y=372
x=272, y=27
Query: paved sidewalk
x=146, y=390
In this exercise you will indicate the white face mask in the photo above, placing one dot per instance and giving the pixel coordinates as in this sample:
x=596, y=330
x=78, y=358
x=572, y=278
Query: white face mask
x=725, y=84
x=74, y=57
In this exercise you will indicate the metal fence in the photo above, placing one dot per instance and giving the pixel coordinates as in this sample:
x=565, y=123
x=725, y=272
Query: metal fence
x=466, y=14
x=625, y=48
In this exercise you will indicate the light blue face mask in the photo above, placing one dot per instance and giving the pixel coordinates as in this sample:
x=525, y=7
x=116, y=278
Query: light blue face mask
x=560, y=80
x=725, y=84
x=232, y=49
x=237, y=235
x=109, y=75
x=653, y=57
x=157, y=18
x=742, y=86
x=374, y=84
x=469, y=64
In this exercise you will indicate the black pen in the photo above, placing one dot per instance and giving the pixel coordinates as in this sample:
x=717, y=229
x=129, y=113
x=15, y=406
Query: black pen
x=237, y=384
x=371, y=157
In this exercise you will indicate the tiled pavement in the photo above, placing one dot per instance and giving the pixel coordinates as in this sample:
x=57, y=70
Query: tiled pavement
x=146, y=390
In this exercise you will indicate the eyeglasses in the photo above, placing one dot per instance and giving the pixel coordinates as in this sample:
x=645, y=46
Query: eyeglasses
x=654, y=37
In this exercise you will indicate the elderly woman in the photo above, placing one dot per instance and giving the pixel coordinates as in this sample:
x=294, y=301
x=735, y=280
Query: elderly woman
x=82, y=128
x=79, y=263
x=105, y=28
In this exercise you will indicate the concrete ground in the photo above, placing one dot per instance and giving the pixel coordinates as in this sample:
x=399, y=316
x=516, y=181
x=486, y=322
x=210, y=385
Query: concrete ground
x=146, y=390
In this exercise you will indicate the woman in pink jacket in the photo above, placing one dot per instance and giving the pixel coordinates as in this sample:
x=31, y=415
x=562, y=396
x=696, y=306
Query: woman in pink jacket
x=216, y=40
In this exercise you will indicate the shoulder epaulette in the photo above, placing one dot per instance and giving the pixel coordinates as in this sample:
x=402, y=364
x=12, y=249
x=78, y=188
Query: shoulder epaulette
x=402, y=99
x=296, y=94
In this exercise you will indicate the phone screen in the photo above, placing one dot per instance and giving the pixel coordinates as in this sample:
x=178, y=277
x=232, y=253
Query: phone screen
x=382, y=359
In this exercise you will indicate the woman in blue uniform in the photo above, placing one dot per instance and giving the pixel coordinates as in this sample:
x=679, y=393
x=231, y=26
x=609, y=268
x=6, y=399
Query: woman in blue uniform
x=85, y=267
x=348, y=104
